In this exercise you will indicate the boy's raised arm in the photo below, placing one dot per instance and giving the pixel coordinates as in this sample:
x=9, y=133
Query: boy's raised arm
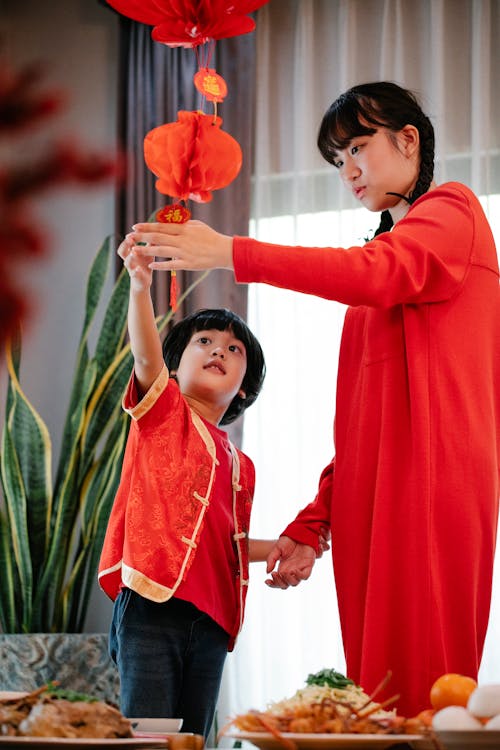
x=144, y=337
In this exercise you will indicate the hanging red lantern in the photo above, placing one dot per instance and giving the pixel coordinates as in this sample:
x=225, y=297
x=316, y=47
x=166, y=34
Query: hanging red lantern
x=192, y=157
x=189, y=23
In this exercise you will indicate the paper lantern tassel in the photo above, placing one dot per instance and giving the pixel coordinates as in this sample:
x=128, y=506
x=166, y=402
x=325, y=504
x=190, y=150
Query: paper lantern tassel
x=175, y=213
x=173, y=290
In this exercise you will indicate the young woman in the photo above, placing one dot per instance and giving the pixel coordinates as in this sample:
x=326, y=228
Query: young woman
x=412, y=493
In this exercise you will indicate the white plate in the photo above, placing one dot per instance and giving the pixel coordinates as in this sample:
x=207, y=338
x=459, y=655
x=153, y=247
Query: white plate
x=267, y=741
x=156, y=726
x=63, y=742
x=469, y=740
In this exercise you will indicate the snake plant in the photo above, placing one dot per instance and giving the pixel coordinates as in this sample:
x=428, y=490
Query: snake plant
x=51, y=532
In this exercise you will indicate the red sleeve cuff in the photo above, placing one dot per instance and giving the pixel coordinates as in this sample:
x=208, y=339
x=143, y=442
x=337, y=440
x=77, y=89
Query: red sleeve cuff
x=302, y=535
x=240, y=259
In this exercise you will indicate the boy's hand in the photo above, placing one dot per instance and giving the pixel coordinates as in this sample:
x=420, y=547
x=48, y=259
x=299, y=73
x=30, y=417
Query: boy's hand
x=141, y=276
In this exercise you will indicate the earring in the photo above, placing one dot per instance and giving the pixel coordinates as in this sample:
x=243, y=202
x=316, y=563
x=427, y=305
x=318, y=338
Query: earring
x=242, y=394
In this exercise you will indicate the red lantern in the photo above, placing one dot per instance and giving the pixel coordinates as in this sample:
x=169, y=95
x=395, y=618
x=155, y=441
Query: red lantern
x=189, y=23
x=192, y=157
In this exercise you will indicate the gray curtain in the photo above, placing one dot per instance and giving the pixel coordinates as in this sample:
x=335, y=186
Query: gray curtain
x=155, y=82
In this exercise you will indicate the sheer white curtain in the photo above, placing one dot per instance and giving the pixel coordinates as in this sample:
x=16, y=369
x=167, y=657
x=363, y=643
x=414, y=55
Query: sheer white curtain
x=309, y=51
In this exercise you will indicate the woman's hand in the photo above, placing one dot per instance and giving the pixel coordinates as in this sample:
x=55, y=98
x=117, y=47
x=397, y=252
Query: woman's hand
x=193, y=246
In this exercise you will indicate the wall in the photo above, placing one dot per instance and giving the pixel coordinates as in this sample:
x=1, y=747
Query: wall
x=75, y=42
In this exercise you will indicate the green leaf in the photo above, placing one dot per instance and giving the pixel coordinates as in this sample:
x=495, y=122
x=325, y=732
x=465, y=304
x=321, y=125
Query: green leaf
x=65, y=511
x=98, y=493
x=7, y=599
x=95, y=284
x=33, y=452
x=114, y=326
x=25, y=469
x=16, y=504
x=104, y=406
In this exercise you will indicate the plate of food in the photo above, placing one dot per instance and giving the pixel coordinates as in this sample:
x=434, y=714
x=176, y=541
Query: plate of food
x=60, y=718
x=329, y=712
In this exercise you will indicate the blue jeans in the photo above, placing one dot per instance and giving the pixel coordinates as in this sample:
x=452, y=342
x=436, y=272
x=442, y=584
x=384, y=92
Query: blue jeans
x=170, y=659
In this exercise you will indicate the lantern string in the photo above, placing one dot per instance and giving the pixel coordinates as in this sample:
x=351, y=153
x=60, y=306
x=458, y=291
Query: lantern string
x=210, y=51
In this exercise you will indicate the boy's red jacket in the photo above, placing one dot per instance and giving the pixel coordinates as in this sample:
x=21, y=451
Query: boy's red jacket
x=165, y=491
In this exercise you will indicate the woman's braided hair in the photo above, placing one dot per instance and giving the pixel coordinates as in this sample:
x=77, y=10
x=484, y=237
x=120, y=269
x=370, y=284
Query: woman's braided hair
x=361, y=111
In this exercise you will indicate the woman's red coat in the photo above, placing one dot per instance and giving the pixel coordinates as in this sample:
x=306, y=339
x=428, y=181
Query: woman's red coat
x=412, y=494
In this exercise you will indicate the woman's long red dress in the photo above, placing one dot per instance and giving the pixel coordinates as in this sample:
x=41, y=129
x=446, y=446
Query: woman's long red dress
x=412, y=494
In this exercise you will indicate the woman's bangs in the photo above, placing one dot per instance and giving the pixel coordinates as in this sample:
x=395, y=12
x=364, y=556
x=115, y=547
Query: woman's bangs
x=348, y=118
x=348, y=126
x=337, y=131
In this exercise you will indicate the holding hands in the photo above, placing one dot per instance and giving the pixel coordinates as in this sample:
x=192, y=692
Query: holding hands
x=295, y=560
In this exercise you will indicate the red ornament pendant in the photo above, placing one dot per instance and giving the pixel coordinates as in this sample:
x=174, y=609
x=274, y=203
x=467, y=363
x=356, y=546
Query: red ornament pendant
x=210, y=84
x=175, y=213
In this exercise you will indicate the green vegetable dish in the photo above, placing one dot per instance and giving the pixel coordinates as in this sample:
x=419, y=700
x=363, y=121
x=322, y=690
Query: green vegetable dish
x=69, y=695
x=330, y=678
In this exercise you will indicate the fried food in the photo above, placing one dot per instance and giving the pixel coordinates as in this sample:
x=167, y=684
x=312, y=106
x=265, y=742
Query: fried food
x=327, y=710
x=41, y=714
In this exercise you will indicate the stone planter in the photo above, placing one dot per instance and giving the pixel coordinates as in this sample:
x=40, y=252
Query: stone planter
x=79, y=661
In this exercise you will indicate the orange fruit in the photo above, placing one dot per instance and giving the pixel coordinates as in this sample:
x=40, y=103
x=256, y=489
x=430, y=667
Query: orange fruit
x=451, y=690
x=425, y=716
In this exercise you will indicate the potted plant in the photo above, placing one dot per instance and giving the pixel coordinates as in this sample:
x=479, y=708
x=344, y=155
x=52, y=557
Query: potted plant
x=51, y=532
